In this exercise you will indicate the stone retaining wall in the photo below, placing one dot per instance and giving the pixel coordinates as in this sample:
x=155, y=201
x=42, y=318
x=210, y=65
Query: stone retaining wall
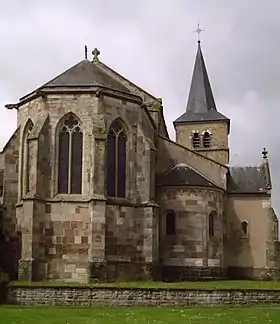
x=105, y=296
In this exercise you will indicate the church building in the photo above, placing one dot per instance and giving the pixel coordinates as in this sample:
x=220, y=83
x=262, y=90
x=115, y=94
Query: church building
x=93, y=188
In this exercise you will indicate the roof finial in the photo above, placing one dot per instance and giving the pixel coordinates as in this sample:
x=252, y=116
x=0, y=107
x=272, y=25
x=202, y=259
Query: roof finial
x=95, y=54
x=198, y=31
x=264, y=153
x=86, y=51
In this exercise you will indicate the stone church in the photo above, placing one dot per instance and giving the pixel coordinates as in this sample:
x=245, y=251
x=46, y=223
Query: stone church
x=93, y=188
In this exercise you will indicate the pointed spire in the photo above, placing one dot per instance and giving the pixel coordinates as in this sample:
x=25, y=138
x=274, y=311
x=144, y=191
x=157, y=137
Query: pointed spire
x=201, y=98
x=201, y=104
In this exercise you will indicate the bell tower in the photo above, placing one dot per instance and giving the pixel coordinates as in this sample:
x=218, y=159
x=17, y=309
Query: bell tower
x=202, y=127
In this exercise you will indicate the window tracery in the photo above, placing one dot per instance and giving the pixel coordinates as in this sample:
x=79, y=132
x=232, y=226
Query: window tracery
x=116, y=160
x=70, y=155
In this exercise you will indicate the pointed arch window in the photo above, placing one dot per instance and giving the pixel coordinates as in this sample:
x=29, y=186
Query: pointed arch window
x=116, y=160
x=170, y=223
x=25, y=175
x=70, y=156
x=206, y=140
x=196, y=140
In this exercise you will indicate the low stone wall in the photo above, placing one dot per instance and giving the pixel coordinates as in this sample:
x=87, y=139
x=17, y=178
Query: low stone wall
x=105, y=296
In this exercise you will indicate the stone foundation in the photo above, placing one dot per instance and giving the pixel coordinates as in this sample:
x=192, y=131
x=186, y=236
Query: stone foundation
x=132, y=271
x=173, y=273
x=253, y=273
x=105, y=296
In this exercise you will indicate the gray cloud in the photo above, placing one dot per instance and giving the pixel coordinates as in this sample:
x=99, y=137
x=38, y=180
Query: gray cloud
x=153, y=44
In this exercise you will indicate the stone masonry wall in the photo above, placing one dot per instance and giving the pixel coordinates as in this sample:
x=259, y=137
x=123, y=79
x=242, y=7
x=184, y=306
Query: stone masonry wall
x=92, y=297
x=191, y=246
x=60, y=234
x=130, y=242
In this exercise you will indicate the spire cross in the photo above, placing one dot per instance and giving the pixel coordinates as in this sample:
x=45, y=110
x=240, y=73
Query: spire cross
x=264, y=153
x=95, y=54
x=198, y=31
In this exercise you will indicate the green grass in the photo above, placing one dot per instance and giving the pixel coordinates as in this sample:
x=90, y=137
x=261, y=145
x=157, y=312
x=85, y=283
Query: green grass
x=234, y=284
x=58, y=315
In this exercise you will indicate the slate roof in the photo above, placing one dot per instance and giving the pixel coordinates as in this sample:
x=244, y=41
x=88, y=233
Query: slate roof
x=201, y=104
x=85, y=74
x=247, y=180
x=183, y=175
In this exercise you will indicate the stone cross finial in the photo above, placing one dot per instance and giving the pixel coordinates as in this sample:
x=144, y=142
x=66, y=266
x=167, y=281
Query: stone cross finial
x=95, y=54
x=264, y=153
x=86, y=52
x=198, y=31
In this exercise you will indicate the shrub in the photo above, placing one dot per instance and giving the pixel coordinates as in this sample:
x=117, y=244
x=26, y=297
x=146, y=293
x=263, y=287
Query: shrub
x=4, y=278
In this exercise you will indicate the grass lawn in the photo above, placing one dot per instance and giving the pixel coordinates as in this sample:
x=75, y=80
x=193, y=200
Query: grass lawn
x=222, y=284
x=58, y=315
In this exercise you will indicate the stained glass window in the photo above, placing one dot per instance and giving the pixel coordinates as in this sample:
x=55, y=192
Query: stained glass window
x=70, y=156
x=116, y=161
x=170, y=223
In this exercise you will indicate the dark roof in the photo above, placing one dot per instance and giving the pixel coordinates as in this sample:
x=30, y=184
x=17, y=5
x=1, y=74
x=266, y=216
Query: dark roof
x=183, y=175
x=201, y=104
x=246, y=180
x=85, y=73
x=212, y=115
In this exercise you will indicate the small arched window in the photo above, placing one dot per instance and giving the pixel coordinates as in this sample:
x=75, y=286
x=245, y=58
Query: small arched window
x=211, y=223
x=116, y=160
x=196, y=140
x=206, y=140
x=170, y=223
x=70, y=155
x=244, y=228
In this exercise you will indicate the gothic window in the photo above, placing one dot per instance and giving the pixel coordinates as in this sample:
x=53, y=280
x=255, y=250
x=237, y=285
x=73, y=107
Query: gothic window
x=206, y=140
x=196, y=140
x=70, y=156
x=1, y=182
x=116, y=161
x=25, y=177
x=170, y=223
x=211, y=224
x=244, y=228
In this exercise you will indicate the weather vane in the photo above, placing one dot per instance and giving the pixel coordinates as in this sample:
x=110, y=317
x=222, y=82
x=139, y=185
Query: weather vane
x=198, y=31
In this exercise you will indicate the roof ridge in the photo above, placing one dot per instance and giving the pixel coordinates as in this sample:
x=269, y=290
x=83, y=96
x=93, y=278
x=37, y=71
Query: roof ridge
x=126, y=79
x=194, y=152
x=83, y=73
x=184, y=164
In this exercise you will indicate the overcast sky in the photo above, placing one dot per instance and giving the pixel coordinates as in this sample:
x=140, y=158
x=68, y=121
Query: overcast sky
x=152, y=43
